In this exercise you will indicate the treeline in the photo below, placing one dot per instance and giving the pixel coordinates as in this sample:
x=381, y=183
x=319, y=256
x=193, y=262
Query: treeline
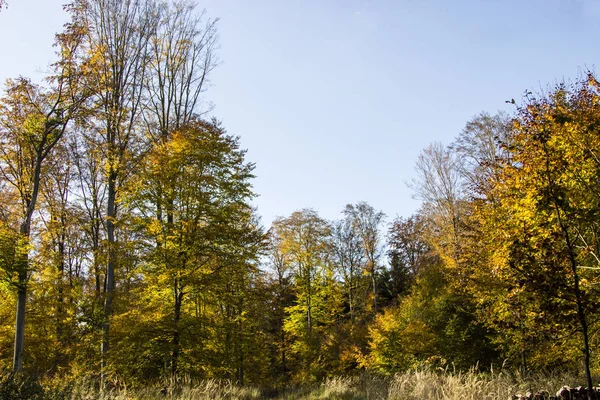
x=129, y=249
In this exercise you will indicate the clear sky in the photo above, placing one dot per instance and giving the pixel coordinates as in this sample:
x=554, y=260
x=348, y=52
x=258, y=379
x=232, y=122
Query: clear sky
x=334, y=99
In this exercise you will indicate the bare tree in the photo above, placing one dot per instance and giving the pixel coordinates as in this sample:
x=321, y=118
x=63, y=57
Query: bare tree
x=182, y=55
x=439, y=182
x=480, y=146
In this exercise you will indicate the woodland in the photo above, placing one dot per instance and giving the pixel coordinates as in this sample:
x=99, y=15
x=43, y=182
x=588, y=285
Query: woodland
x=131, y=254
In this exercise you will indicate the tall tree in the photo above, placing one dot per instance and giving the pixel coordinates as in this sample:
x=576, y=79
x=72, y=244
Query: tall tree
x=349, y=258
x=478, y=147
x=210, y=230
x=181, y=57
x=542, y=216
x=282, y=282
x=33, y=121
x=305, y=246
x=117, y=36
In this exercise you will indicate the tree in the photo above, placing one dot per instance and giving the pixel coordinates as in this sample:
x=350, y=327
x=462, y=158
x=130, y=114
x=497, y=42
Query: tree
x=408, y=252
x=282, y=290
x=440, y=185
x=542, y=218
x=116, y=35
x=181, y=57
x=305, y=246
x=366, y=221
x=349, y=258
x=478, y=147
x=32, y=123
x=210, y=230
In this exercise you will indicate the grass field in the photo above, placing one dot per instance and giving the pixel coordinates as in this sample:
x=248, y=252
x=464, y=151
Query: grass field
x=418, y=385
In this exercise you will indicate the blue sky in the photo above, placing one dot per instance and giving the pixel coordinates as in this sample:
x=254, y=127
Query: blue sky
x=334, y=99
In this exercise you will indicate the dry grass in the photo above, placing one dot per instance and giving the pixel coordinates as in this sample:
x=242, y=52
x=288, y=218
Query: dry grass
x=418, y=385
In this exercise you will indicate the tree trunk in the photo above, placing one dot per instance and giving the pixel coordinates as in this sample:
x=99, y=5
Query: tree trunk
x=20, y=322
x=580, y=311
x=240, y=342
x=175, y=341
x=25, y=229
x=374, y=283
x=283, y=361
x=578, y=295
x=110, y=273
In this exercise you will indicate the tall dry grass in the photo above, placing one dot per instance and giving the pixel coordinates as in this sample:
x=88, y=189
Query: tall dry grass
x=424, y=384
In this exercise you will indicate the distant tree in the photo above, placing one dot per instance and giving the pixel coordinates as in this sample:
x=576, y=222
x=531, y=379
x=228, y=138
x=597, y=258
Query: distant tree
x=408, y=252
x=282, y=290
x=349, y=259
x=367, y=222
x=478, y=147
x=305, y=245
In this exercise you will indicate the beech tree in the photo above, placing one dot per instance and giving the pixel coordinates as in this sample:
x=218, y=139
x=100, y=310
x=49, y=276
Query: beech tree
x=33, y=121
x=182, y=54
x=206, y=185
x=305, y=246
x=349, y=259
x=116, y=35
x=408, y=252
x=542, y=217
x=366, y=222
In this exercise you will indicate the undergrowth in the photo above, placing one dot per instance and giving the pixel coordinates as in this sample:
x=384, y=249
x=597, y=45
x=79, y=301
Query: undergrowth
x=424, y=384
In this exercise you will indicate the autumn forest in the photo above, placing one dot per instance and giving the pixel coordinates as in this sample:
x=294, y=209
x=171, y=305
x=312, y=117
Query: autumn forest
x=131, y=254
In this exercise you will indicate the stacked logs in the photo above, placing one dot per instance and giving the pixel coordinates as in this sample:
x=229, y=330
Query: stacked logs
x=564, y=393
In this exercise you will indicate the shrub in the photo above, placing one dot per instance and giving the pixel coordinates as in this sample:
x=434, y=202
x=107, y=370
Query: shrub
x=20, y=386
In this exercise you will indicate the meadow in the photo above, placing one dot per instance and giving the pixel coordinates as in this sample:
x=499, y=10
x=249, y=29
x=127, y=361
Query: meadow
x=422, y=384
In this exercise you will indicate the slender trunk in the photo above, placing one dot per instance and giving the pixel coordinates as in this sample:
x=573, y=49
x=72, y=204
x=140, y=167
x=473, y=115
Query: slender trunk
x=308, y=309
x=20, y=323
x=580, y=312
x=23, y=270
x=110, y=272
x=282, y=332
x=374, y=283
x=228, y=335
x=240, y=342
x=578, y=295
x=350, y=290
x=283, y=361
x=95, y=226
x=175, y=341
x=60, y=309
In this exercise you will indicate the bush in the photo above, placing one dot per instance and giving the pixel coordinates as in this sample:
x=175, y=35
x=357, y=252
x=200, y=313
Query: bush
x=20, y=386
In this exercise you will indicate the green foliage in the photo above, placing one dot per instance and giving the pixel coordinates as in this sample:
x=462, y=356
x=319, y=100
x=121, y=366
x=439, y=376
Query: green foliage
x=20, y=386
x=134, y=228
x=540, y=230
x=433, y=325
